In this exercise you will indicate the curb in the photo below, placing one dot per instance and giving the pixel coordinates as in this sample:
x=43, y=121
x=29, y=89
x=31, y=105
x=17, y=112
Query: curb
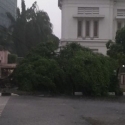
x=8, y=94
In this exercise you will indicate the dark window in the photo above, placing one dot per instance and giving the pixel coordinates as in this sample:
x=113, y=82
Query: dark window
x=96, y=28
x=95, y=50
x=79, y=28
x=87, y=28
x=119, y=25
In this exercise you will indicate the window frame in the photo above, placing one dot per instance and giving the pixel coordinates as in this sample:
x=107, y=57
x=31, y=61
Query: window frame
x=96, y=36
x=86, y=29
x=119, y=22
x=79, y=28
x=121, y=12
x=95, y=50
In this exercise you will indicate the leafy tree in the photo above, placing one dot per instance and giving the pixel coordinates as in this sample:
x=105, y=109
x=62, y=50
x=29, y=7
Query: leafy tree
x=39, y=75
x=75, y=69
x=120, y=38
x=86, y=71
x=31, y=27
x=40, y=68
x=12, y=58
x=116, y=50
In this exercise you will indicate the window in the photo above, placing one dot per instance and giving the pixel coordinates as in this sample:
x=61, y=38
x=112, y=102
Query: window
x=95, y=50
x=88, y=10
x=122, y=79
x=87, y=28
x=119, y=25
x=120, y=12
x=96, y=28
x=79, y=28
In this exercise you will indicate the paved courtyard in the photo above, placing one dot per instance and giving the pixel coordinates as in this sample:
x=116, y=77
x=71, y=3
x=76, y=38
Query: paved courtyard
x=24, y=110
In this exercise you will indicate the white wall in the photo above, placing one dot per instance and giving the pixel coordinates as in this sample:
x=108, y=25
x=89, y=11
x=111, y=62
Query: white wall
x=4, y=57
x=107, y=25
x=69, y=24
x=119, y=4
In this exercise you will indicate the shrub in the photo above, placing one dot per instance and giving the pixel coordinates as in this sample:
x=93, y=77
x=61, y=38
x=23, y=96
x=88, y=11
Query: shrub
x=38, y=75
x=12, y=58
x=75, y=69
x=86, y=71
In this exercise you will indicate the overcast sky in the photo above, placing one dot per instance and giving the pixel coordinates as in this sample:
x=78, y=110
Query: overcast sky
x=51, y=7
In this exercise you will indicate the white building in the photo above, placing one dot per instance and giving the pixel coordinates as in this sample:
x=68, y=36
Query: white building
x=5, y=68
x=91, y=22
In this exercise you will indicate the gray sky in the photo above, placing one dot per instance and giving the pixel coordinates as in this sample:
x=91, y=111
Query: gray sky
x=51, y=7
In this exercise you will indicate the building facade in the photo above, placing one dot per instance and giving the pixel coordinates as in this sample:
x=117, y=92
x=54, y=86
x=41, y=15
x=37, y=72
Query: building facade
x=4, y=57
x=7, y=6
x=92, y=23
x=5, y=68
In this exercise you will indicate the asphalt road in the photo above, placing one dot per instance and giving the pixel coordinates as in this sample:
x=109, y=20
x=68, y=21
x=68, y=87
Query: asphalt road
x=3, y=102
x=24, y=110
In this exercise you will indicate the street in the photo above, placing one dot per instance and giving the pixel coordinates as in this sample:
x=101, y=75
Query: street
x=3, y=102
x=28, y=110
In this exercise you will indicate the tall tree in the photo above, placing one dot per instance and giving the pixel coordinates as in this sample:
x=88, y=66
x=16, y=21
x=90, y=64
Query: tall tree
x=116, y=49
x=32, y=26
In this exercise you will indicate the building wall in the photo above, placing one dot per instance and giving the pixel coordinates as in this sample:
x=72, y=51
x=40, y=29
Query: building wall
x=4, y=57
x=107, y=25
x=7, y=6
x=119, y=4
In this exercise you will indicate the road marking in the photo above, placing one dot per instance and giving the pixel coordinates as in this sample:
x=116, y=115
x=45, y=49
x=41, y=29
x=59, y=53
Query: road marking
x=3, y=102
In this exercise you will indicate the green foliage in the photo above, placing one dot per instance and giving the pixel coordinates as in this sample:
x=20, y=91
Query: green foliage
x=12, y=58
x=44, y=49
x=32, y=27
x=19, y=59
x=120, y=37
x=117, y=50
x=114, y=86
x=86, y=71
x=39, y=75
x=120, y=92
x=75, y=69
x=38, y=70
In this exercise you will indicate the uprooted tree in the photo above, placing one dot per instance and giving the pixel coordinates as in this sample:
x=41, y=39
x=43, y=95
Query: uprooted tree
x=75, y=69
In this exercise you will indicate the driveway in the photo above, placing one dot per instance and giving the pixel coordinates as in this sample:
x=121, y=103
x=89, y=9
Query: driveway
x=27, y=110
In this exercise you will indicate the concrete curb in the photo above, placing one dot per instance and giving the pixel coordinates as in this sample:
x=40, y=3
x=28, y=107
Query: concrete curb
x=9, y=94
